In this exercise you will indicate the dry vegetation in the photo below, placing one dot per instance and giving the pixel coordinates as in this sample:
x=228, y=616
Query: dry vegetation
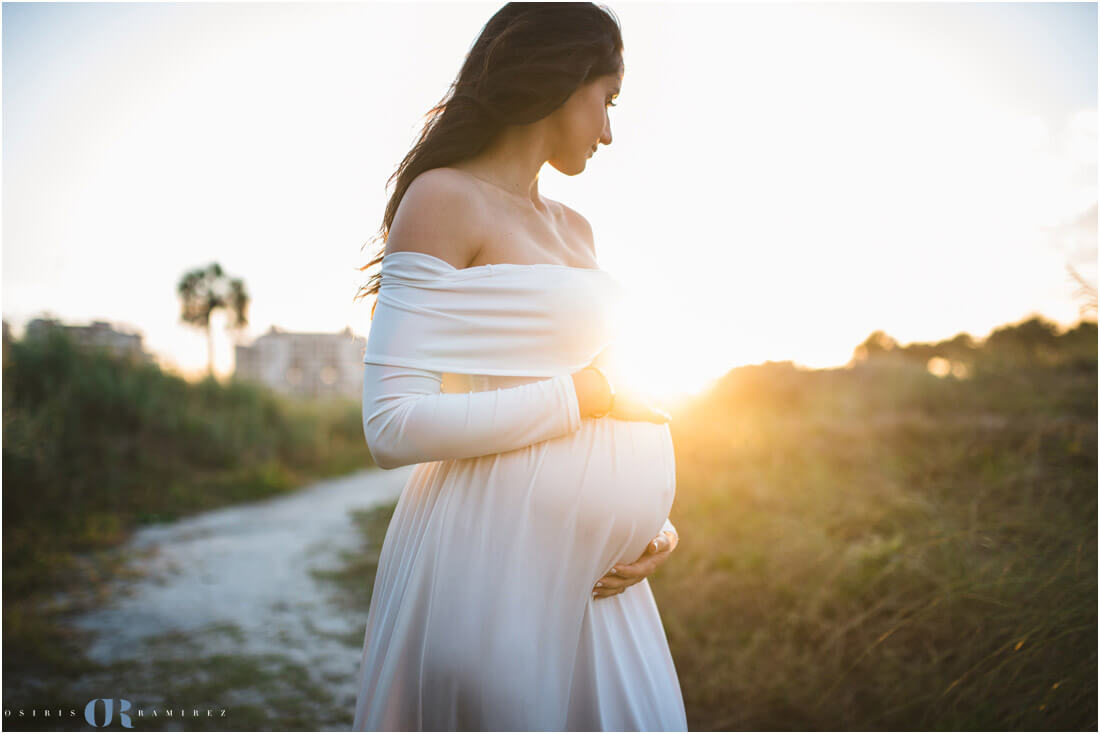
x=880, y=548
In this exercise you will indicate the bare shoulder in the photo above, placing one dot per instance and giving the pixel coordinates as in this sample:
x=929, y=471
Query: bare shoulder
x=579, y=227
x=439, y=216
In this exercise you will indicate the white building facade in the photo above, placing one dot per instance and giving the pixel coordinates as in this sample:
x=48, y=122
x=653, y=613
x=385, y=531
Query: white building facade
x=304, y=364
x=98, y=334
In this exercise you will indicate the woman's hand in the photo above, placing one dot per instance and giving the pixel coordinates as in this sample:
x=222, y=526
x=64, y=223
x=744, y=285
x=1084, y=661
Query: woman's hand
x=628, y=574
x=593, y=396
x=630, y=407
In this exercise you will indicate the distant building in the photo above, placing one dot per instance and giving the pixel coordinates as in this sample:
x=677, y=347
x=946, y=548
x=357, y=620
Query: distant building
x=98, y=334
x=304, y=364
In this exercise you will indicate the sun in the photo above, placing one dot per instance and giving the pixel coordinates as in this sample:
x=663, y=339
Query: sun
x=644, y=361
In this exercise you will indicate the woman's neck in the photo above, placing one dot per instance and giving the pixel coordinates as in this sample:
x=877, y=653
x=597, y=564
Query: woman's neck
x=512, y=162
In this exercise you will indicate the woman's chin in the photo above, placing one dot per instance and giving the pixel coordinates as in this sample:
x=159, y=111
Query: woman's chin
x=572, y=168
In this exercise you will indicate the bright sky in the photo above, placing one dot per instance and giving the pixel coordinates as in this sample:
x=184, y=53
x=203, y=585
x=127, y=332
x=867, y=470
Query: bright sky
x=784, y=178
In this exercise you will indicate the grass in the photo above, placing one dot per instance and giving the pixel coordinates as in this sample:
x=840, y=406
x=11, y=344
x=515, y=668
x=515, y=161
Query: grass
x=169, y=683
x=879, y=548
x=353, y=580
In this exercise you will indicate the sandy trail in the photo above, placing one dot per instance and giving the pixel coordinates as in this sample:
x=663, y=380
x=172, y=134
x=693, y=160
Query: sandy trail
x=246, y=568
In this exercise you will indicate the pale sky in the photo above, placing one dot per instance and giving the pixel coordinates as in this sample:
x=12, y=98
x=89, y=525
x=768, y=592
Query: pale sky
x=783, y=180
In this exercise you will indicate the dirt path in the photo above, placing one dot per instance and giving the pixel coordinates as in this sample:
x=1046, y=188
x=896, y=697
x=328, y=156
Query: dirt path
x=232, y=593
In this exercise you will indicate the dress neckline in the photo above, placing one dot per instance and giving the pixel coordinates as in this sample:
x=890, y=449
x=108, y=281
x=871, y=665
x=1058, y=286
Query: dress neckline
x=491, y=266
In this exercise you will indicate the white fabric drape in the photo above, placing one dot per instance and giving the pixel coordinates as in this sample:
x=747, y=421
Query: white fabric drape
x=530, y=320
x=482, y=616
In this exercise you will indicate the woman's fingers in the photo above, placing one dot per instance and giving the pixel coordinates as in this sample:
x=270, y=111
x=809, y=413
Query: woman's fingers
x=654, y=553
x=635, y=407
x=623, y=575
x=615, y=582
x=620, y=577
x=600, y=593
x=610, y=585
x=660, y=416
x=660, y=544
x=654, y=414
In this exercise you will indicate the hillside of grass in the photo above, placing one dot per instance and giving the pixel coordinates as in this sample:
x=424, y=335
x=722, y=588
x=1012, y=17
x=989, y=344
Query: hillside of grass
x=881, y=548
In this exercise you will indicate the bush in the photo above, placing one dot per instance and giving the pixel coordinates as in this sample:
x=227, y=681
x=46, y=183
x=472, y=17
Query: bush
x=95, y=444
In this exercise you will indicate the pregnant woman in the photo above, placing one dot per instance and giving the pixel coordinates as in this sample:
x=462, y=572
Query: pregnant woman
x=511, y=589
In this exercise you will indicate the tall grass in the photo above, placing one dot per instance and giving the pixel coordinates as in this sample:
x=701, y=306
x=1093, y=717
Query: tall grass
x=880, y=548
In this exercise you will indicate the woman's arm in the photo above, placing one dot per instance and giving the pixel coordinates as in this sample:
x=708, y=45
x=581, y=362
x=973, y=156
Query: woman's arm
x=407, y=420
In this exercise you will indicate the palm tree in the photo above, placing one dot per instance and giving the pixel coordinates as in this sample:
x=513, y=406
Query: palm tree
x=203, y=290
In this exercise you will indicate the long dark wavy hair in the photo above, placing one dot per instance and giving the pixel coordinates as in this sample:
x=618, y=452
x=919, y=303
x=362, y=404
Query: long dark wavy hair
x=526, y=62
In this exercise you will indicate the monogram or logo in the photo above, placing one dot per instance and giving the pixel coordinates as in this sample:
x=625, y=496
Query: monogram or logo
x=108, y=712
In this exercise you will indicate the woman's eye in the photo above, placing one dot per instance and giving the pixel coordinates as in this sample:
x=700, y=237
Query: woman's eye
x=611, y=104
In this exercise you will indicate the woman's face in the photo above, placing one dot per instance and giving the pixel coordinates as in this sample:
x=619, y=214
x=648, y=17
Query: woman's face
x=583, y=123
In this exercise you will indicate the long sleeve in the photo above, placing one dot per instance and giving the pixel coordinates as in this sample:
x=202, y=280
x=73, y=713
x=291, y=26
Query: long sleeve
x=407, y=420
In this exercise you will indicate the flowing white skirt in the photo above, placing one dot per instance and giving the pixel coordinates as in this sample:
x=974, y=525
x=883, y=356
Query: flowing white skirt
x=482, y=615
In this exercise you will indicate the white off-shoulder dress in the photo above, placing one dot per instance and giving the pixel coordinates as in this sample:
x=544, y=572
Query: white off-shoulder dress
x=482, y=615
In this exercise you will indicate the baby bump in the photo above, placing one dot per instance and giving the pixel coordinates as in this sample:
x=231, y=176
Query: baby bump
x=607, y=487
x=526, y=533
